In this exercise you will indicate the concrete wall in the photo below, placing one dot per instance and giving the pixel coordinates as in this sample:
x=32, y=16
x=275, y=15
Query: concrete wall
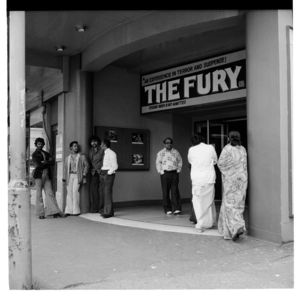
x=267, y=123
x=182, y=131
x=116, y=104
x=287, y=223
x=78, y=118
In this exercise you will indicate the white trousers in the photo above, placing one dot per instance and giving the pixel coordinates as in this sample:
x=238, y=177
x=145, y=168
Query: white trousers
x=204, y=205
x=73, y=196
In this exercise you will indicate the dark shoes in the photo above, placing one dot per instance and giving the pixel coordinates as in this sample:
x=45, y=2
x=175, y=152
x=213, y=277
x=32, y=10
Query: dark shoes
x=105, y=216
x=41, y=217
x=239, y=232
x=59, y=215
x=72, y=214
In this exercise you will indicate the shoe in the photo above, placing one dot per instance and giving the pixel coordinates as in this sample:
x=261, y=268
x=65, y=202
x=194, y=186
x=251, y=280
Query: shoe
x=239, y=232
x=60, y=215
x=41, y=217
x=106, y=216
x=236, y=237
x=169, y=213
x=177, y=212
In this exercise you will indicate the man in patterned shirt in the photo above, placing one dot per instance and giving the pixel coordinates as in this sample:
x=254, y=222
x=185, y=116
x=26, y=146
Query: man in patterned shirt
x=168, y=165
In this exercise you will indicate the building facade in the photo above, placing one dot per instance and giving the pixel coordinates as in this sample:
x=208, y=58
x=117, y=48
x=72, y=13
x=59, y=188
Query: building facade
x=212, y=71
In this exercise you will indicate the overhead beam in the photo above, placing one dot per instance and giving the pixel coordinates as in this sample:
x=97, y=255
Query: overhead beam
x=35, y=58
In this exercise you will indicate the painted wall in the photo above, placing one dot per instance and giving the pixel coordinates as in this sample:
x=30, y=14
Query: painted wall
x=267, y=125
x=116, y=104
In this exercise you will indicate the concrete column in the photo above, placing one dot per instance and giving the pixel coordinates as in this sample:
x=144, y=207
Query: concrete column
x=61, y=189
x=19, y=215
x=84, y=125
x=267, y=125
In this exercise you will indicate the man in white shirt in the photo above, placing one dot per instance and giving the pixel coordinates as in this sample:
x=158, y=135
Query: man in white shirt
x=107, y=177
x=202, y=158
x=169, y=165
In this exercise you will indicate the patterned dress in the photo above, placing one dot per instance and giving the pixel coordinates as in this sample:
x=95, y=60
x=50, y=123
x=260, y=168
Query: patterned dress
x=233, y=166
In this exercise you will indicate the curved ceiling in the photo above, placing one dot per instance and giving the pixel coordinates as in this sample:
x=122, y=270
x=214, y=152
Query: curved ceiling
x=45, y=30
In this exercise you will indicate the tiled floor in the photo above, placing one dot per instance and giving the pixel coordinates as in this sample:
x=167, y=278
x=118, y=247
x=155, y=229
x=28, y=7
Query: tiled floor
x=153, y=217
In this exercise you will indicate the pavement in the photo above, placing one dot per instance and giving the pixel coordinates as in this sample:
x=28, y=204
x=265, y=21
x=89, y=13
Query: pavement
x=142, y=248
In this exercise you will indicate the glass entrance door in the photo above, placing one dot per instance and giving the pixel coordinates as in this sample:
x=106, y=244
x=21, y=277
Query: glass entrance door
x=216, y=133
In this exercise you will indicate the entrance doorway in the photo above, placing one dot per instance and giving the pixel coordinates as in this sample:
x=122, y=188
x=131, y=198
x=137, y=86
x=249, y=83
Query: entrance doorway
x=215, y=132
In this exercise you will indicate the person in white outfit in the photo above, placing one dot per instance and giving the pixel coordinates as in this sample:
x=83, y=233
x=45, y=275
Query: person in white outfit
x=75, y=169
x=202, y=158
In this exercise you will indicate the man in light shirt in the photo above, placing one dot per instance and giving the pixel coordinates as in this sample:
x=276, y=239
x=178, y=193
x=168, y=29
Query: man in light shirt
x=202, y=158
x=107, y=177
x=169, y=165
x=76, y=167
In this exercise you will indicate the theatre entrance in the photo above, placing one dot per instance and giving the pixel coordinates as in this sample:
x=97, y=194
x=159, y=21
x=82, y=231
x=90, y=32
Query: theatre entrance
x=215, y=132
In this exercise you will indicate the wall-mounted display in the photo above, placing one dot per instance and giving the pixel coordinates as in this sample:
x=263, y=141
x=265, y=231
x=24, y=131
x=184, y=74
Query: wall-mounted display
x=132, y=146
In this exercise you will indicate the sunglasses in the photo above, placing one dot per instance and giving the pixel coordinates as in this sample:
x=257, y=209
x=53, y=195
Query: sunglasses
x=168, y=142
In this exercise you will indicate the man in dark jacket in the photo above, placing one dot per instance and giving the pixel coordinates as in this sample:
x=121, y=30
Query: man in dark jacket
x=96, y=159
x=42, y=175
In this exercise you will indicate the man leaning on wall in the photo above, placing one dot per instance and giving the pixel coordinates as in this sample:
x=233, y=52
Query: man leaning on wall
x=96, y=159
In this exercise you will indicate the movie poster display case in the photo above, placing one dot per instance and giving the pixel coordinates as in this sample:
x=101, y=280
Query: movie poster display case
x=132, y=146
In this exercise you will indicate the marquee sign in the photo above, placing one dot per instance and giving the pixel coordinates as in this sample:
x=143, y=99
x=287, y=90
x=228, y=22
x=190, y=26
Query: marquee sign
x=215, y=79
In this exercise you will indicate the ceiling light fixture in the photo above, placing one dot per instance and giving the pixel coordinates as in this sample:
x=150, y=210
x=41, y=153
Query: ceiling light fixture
x=59, y=48
x=80, y=28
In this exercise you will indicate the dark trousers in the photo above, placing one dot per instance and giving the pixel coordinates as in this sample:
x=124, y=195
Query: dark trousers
x=97, y=201
x=169, y=183
x=106, y=192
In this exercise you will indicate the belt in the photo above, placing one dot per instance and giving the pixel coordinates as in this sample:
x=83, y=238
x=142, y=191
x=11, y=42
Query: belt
x=103, y=172
x=73, y=173
x=170, y=171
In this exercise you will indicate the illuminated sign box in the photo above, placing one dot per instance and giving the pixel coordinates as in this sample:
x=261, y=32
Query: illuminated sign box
x=211, y=80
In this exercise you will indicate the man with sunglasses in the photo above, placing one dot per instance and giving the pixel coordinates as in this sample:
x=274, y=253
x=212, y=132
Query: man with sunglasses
x=169, y=165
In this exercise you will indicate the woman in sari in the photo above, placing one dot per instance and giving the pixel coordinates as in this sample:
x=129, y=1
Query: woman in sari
x=202, y=158
x=233, y=166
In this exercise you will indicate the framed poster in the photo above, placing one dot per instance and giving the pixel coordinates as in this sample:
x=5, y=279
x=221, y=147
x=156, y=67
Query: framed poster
x=137, y=138
x=112, y=135
x=137, y=159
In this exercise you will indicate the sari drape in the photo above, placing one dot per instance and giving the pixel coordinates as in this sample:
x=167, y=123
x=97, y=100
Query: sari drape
x=233, y=166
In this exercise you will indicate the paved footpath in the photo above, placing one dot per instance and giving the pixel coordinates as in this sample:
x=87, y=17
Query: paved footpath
x=78, y=254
